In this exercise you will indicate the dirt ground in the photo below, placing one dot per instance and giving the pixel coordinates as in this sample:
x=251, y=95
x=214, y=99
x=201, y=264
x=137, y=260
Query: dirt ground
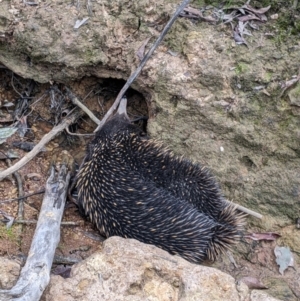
x=81, y=239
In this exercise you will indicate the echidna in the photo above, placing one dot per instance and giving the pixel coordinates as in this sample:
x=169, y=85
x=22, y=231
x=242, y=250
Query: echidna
x=131, y=186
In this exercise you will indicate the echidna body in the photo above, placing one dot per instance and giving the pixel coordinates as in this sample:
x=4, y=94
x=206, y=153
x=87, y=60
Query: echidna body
x=131, y=186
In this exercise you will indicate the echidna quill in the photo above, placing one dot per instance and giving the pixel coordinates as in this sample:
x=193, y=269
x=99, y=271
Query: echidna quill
x=131, y=186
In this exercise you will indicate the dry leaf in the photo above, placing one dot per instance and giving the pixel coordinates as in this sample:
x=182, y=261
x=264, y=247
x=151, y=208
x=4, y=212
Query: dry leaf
x=141, y=51
x=284, y=258
x=256, y=11
x=6, y=133
x=263, y=236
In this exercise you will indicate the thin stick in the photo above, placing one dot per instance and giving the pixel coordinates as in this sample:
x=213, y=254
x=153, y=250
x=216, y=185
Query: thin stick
x=21, y=201
x=246, y=210
x=48, y=137
x=20, y=191
x=23, y=197
x=29, y=222
x=77, y=102
x=142, y=63
x=78, y=134
x=249, y=211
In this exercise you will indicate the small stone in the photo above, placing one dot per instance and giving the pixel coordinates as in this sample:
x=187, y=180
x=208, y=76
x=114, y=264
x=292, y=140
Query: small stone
x=9, y=271
x=294, y=96
x=274, y=17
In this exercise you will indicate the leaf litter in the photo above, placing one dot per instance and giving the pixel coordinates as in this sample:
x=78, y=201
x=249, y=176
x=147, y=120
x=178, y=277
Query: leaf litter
x=242, y=19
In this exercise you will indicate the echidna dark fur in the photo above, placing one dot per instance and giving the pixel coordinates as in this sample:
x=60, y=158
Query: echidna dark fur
x=131, y=186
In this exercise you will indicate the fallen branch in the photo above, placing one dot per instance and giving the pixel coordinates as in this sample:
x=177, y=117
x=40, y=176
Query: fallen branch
x=47, y=138
x=35, y=275
x=142, y=64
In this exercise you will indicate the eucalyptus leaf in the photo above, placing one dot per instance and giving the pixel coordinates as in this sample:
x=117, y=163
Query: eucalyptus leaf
x=6, y=133
x=284, y=258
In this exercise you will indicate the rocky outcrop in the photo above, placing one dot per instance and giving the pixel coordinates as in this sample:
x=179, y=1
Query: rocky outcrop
x=126, y=269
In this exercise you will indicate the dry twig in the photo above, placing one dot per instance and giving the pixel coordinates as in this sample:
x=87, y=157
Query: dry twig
x=21, y=201
x=30, y=222
x=20, y=191
x=78, y=103
x=48, y=137
x=246, y=210
x=23, y=197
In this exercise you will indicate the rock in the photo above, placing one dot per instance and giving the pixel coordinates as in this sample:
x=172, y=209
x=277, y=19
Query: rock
x=294, y=96
x=127, y=270
x=9, y=271
x=257, y=295
x=280, y=289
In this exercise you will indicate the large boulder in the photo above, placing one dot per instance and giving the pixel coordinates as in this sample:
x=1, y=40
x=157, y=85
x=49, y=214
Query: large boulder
x=127, y=270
